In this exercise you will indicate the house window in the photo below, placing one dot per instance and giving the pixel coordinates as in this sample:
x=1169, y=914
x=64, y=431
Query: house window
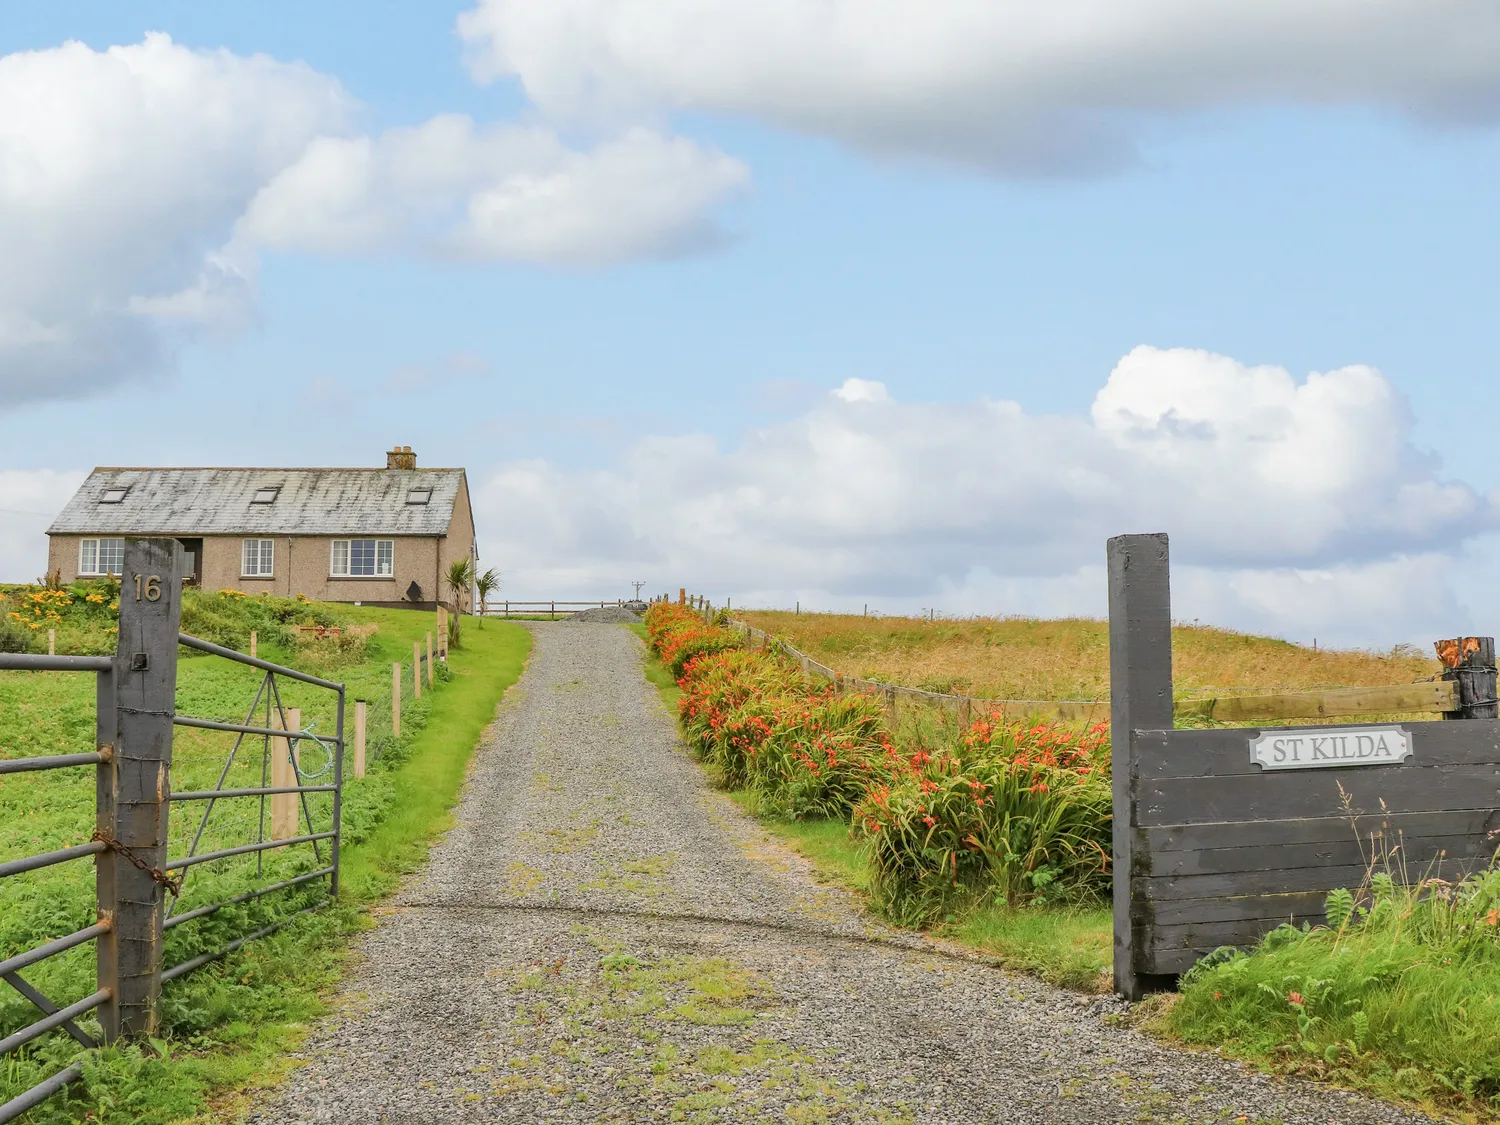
x=419, y=496
x=363, y=558
x=265, y=495
x=101, y=556
x=258, y=558
x=114, y=496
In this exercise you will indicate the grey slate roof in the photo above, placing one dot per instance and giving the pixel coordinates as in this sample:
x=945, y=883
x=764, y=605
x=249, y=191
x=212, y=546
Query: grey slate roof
x=217, y=502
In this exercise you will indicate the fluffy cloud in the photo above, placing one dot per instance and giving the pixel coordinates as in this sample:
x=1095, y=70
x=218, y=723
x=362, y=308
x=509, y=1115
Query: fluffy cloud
x=513, y=193
x=138, y=184
x=1021, y=86
x=1294, y=500
x=121, y=172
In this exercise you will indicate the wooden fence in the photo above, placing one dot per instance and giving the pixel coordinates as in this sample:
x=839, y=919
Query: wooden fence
x=1428, y=696
x=1222, y=835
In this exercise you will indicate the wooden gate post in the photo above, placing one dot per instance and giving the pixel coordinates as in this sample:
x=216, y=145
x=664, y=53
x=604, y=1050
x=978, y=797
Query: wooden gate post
x=360, y=718
x=1140, y=693
x=396, y=698
x=429, y=659
x=144, y=699
x=285, y=755
x=416, y=669
x=1470, y=662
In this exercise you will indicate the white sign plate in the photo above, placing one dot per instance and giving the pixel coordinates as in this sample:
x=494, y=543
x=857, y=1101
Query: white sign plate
x=1321, y=749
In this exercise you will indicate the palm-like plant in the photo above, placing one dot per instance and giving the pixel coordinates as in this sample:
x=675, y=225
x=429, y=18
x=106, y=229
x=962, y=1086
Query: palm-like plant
x=460, y=580
x=484, y=585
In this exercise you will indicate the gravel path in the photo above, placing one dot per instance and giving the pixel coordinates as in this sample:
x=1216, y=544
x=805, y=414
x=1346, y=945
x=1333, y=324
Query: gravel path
x=604, y=938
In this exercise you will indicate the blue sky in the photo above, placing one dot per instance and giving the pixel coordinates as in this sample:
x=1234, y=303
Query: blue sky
x=1305, y=228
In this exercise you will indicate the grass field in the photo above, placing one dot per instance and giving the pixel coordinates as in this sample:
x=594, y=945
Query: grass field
x=230, y=1024
x=1025, y=658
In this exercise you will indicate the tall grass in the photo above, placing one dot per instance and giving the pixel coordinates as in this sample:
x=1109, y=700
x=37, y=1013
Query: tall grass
x=1068, y=658
x=1399, y=992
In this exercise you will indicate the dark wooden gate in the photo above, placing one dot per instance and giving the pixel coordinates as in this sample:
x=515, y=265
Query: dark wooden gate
x=1213, y=848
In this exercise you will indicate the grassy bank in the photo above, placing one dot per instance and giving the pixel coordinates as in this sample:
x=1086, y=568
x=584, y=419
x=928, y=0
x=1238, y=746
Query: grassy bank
x=229, y=1026
x=1068, y=658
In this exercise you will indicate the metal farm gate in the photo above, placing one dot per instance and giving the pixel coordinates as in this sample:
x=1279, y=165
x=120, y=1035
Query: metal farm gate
x=136, y=704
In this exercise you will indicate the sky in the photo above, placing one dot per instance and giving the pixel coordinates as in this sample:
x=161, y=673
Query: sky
x=838, y=302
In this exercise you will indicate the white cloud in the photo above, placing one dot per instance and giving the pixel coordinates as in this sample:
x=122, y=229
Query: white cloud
x=30, y=500
x=1294, y=501
x=138, y=184
x=121, y=172
x=508, y=192
x=862, y=390
x=1063, y=86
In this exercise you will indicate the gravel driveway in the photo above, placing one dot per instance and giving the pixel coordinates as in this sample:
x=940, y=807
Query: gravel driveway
x=604, y=938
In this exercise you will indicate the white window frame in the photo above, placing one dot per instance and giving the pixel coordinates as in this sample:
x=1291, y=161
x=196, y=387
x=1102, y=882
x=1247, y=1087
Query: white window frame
x=264, y=552
x=88, y=557
x=341, y=553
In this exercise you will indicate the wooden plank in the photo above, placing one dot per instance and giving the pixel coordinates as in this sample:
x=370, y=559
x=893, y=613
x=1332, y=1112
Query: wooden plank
x=1226, y=753
x=1140, y=681
x=1186, y=911
x=1264, y=833
x=1290, y=880
x=1431, y=696
x=1285, y=857
x=1204, y=937
x=1291, y=795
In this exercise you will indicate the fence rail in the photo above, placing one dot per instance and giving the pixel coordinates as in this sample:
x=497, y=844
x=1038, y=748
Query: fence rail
x=537, y=608
x=1425, y=697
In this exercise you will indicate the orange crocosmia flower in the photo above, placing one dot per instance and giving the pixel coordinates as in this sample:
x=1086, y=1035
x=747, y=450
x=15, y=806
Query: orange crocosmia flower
x=1294, y=998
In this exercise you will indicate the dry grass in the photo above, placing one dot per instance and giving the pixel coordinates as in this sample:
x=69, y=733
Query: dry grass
x=1025, y=658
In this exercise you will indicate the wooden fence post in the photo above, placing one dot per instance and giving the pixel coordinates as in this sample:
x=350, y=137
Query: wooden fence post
x=1470, y=663
x=284, y=758
x=416, y=668
x=396, y=699
x=144, y=699
x=359, y=737
x=442, y=626
x=682, y=595
x=252, y=642
x=51, y=642
x=429, y=659
x=1140, y=692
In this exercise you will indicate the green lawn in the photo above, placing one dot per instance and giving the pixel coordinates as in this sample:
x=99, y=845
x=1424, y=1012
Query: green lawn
x=230, y=1025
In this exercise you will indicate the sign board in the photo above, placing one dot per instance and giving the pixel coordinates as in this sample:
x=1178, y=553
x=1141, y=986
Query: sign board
x=1323, y=748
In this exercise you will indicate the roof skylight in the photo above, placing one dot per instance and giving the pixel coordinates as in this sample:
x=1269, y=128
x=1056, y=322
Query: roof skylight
x=419, y=496
x=114, y=495
x=265, y=495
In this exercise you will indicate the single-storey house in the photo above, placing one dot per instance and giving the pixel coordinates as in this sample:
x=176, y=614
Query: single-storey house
x=374, y=536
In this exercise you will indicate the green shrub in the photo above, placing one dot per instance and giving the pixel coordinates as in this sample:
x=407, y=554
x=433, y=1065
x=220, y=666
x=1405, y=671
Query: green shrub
x=1004, y=810
x=1401, y=993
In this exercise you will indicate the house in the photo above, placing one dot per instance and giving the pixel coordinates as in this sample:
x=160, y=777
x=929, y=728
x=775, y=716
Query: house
x=374, y=536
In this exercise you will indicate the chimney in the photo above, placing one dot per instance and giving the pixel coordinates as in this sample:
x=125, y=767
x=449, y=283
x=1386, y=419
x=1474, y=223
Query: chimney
x=401, y=458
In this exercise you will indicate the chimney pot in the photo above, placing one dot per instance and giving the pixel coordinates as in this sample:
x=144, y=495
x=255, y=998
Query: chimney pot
x=401, y=457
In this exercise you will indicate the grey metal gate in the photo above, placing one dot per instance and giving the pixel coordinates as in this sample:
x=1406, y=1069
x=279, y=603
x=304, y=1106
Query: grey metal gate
x=136, y=711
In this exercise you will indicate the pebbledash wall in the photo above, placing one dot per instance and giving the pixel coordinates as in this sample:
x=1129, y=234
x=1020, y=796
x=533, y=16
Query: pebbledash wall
x=302, y=563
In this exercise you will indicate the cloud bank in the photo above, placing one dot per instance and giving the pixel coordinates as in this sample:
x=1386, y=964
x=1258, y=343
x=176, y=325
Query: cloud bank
x=140, y=183
x=1019, y=87
x=1289, y=502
